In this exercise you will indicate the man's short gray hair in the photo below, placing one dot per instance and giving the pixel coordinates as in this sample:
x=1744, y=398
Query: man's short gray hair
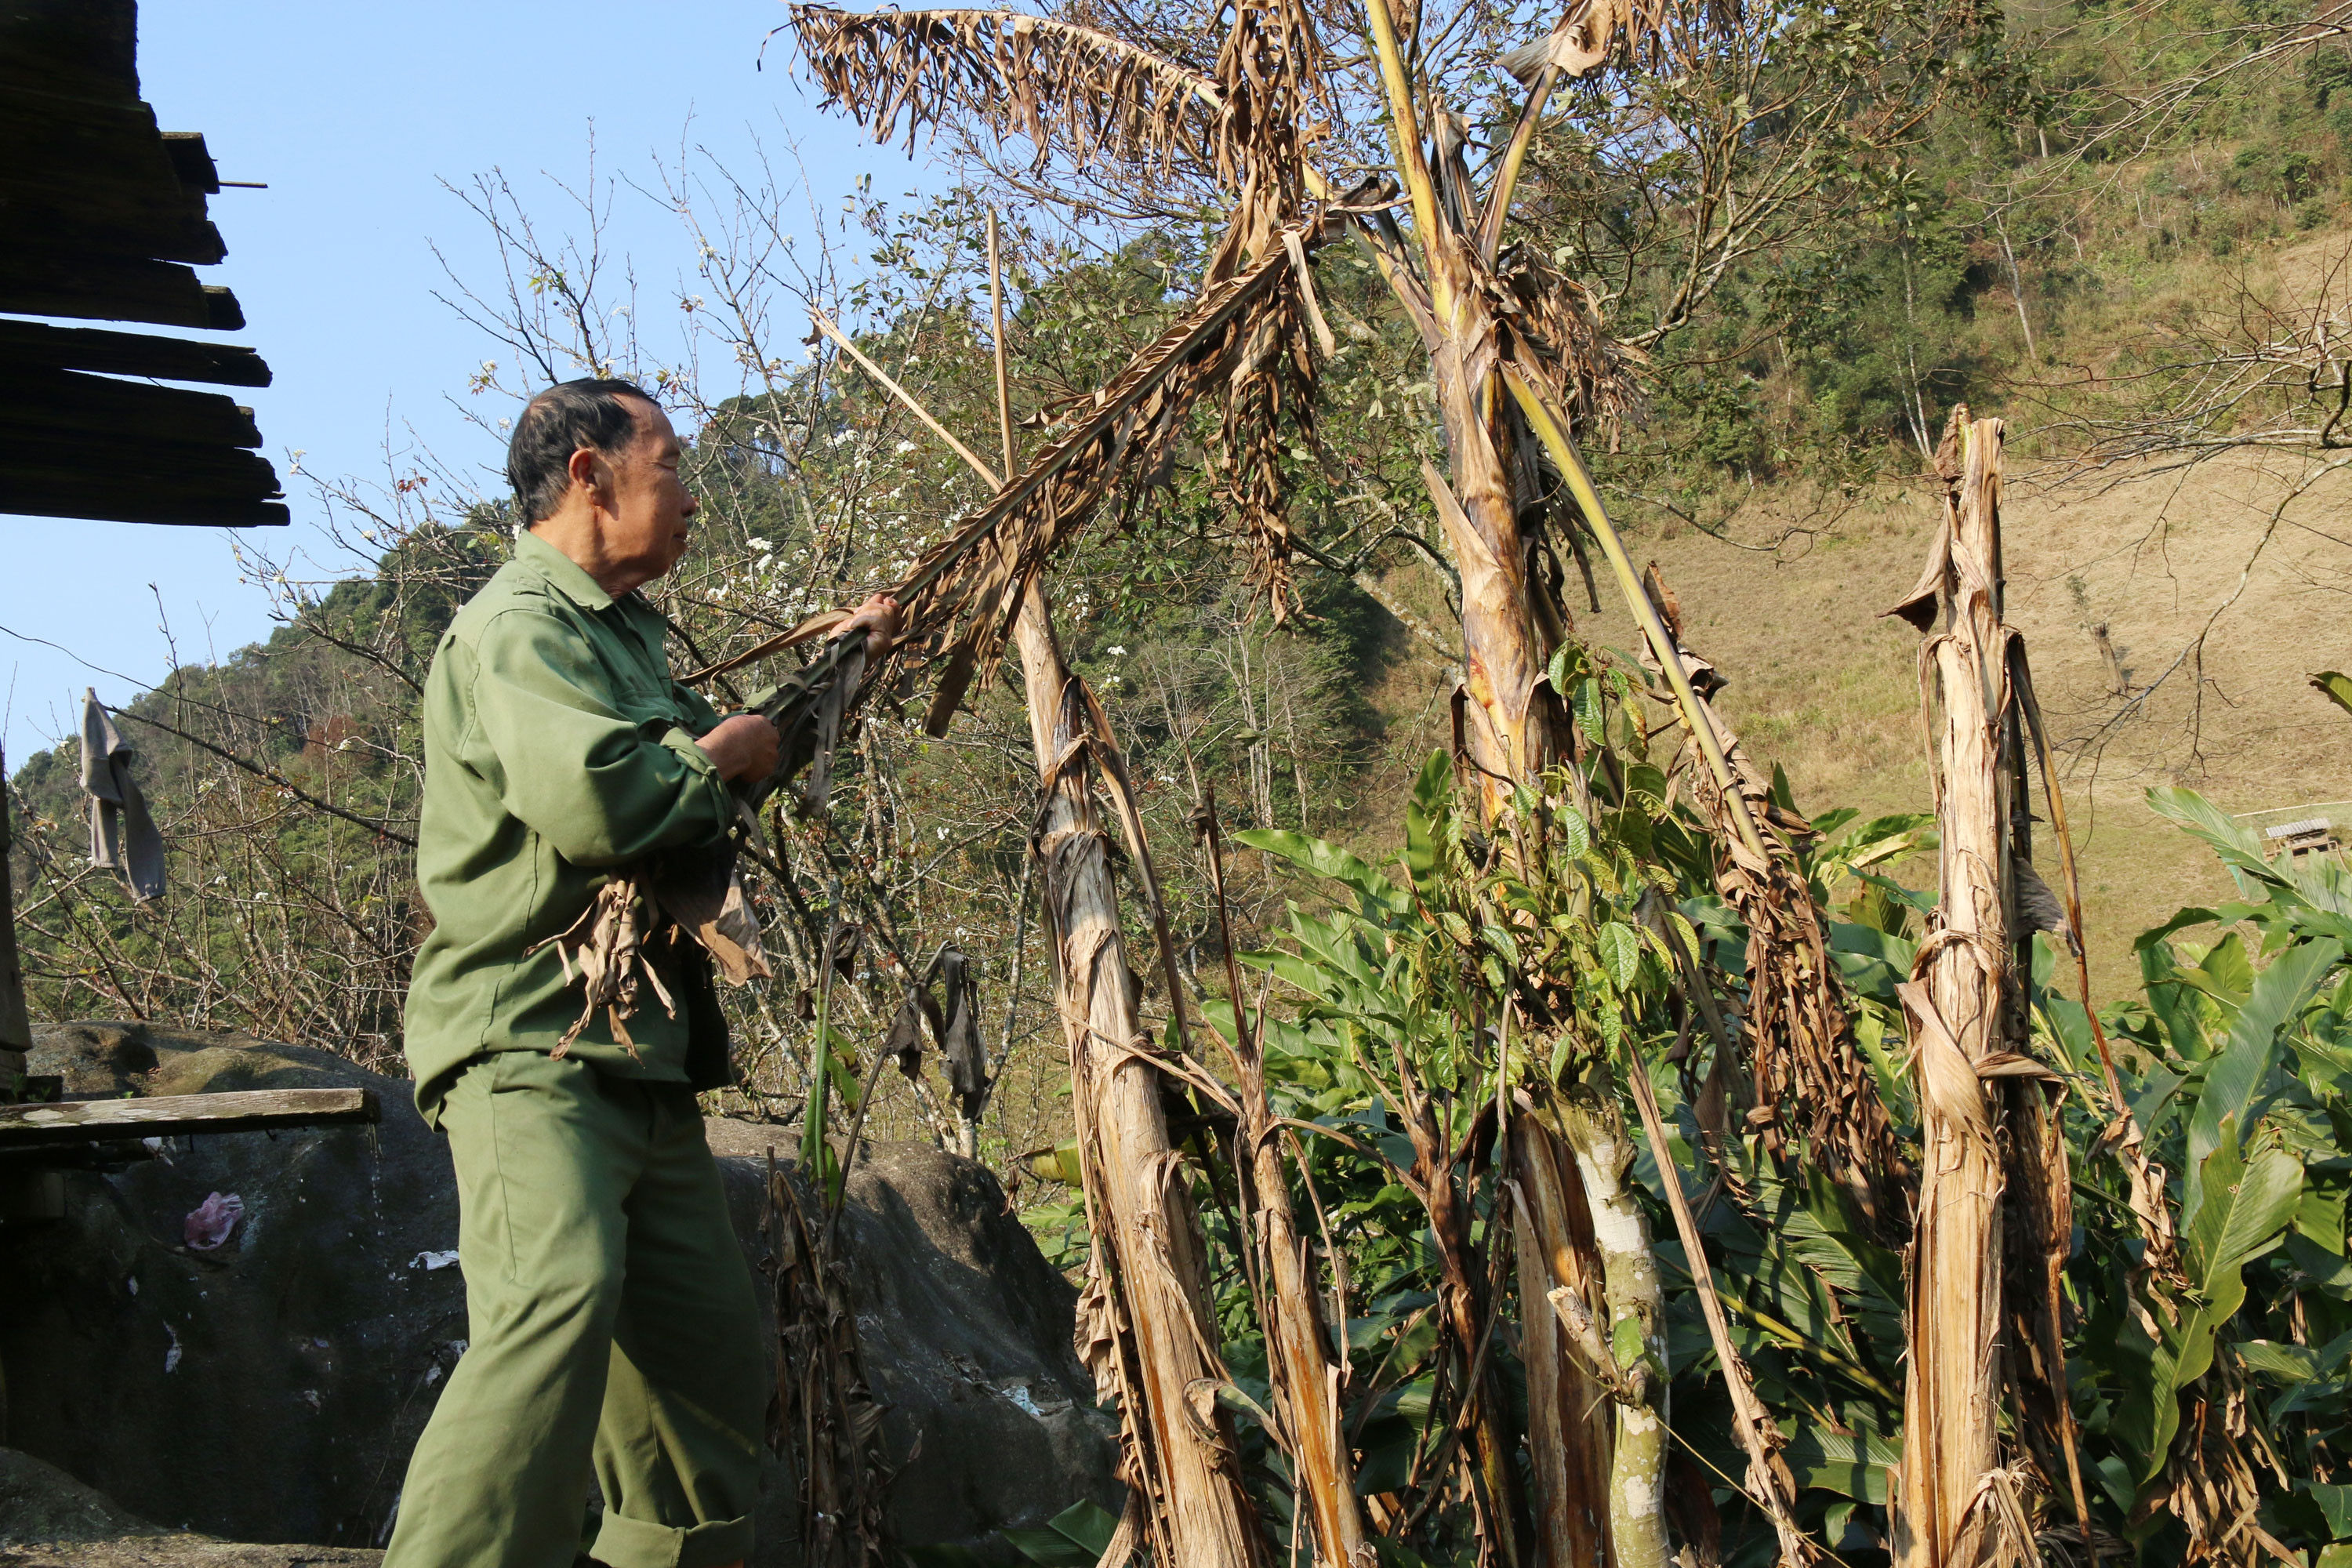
x=569, y=415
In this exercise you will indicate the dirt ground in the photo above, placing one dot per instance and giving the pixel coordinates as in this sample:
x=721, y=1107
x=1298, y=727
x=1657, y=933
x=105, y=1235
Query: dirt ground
x=2217, y=605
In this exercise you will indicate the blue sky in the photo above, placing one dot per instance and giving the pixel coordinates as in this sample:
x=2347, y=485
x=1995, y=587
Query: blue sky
x=353, y=115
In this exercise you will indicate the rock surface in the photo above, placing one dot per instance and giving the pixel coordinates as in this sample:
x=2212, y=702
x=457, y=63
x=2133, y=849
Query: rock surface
x=49, y=1518
x=271, y=1390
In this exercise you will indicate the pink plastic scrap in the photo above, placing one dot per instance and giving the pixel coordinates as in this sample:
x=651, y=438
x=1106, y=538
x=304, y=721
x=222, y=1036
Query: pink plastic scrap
x=212, y=1222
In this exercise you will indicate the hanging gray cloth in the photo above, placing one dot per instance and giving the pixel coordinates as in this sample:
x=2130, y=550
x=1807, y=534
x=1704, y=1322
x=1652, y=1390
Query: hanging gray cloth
x=122, y=835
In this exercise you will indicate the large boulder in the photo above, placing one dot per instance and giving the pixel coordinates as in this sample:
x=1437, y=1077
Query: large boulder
x=270, y=1390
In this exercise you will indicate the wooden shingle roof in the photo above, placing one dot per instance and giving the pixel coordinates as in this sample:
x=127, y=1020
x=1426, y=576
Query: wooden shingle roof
x=102, y=218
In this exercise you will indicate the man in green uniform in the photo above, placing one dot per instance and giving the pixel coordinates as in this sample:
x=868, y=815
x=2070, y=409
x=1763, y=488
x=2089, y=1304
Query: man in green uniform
x=613, y=1325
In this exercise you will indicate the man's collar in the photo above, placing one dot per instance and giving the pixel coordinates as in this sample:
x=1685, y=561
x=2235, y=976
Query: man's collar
x=563, y=574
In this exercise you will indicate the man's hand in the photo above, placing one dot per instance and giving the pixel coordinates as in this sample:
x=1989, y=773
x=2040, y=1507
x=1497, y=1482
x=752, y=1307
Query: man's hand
x=743, y=747
x=879, y=618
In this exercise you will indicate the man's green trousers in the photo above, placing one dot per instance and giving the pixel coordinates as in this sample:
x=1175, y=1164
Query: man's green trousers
x=613, y=1327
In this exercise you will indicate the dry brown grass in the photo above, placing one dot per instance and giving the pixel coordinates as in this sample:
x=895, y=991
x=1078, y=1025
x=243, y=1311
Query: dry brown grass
x=1826, y=688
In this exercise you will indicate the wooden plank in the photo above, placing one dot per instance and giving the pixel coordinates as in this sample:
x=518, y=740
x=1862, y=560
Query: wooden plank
x=33, y=345
x=39, y=403
x=85, y=1121
x=69, y=221
x=129, y=480
x=192, y=161
x=164, y=511
x=54, y=135
x=73, y=170
x=111, y=288
x=103, y=497
x=220, y=472
x=86, y=47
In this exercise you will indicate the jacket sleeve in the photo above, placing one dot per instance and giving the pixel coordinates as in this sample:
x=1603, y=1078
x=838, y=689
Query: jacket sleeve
x=603, y=788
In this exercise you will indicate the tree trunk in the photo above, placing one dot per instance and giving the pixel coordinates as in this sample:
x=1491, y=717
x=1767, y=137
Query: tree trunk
x=1637, y=1318
x=1180, y=1460
x=1962, y=1000
x=1571, y=1428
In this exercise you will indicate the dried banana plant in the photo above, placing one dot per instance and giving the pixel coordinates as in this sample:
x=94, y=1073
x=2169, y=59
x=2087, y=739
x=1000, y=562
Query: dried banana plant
x=1244, y=340
x=824, y=1414
x=1144, y=1327
x=1803, y=1065
x=961, y=598
x=963, y=594
x=1066, y=88
x=1305, y=1381
x=1146, y=1330
x=1519, y=355
x=1987, y=1122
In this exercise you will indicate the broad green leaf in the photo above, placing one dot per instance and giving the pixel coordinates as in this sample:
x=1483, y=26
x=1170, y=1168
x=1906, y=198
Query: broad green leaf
x=2240, y=847
x=1647, y=784
x=1575, y=836
x=2320, y=1216
x=2336, y=1502
x=2181, y=921
x=1620, y=953
x=1049, y=1547
x=2334, y=686
x=1586, y=701
x=2327, y=1274
x=1430, y=791
x=1893, y=950
x=1857, y=1463
x=2225, y=973
x=2288, y=1364
x=2245, y=1205
x=2238, y=1074
x=2174, y=1004
x=2154, y=1094
x=1328, y=859
x=1088, y=1524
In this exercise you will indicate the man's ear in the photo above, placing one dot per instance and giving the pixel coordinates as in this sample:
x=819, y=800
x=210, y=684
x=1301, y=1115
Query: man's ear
x=588, y=467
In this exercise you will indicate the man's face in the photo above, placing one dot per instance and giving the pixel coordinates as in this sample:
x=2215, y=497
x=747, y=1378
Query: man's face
x=647, y=529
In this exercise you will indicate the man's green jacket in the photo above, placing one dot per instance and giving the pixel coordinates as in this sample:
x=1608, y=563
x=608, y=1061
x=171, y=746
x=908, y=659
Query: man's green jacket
x=558, y=752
